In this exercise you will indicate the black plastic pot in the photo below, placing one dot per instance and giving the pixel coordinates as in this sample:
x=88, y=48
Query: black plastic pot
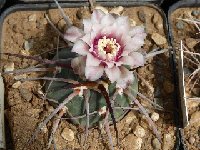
x=35, y=6
x=2, y=2
x=180, y=76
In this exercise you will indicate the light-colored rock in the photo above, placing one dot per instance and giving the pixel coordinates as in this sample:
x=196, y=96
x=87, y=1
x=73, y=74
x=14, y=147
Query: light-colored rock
x=102, y=9
x=190, y=42
x=9, y=66
x=28, y=45
x=132, y=142
x=32, y=17
x=16, y=85
x=67, y=134
x=158, y=39
x=25, y=52
x=195, y=118
x=117, y=10
x=61, y=24
x=132, y=22
x=156, y=144
x=21, y=76
x=139, y=131
x=167, y=142
x=155, y=116
x=192, y=140
x=26, y=94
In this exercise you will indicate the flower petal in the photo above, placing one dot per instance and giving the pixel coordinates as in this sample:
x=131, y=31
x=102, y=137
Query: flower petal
x=93, y=73
x=73, y=33
x=113, y=73
x=133, y=44
x=107, y=20
x=97, y=16
x=92, y=61
x=138, y=58
x=135, y=59
x=78, y=65
x=87, y=23
x=81, y=48
x=136, y=30
x=87, y=39
x=126, y=77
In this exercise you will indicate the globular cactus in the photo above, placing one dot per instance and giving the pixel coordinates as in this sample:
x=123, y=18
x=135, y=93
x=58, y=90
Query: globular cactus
x=58, y=91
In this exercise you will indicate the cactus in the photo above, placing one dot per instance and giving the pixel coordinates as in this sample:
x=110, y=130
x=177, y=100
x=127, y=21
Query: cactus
x=59, y=91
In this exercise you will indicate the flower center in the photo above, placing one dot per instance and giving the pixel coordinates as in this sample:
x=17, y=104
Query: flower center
x=108, y=47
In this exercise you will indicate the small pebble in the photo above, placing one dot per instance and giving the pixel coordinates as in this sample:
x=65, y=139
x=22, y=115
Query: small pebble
x=25, y=52
x=32, y=17
x=28, y=45
x=139, y=131
x=26, y=94
x=61, y=24
x=167, y=142
x=132, y=142
x=16, y=85
x=129, y=119
x=191, y=43
x=155, y=18
x=141, y=16
x=9, y=66
x=191, y=140
x=67, y=134
x=195, y=13
x=133, y=22
x=102, y=9
x=156, y=144
x=117, y=10
x=155, y=116
x=195, y=117
x=21, y=76
x=180, y=25
x=158, y=39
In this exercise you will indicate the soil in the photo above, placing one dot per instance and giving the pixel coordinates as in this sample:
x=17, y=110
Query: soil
x=191, y=39
x=25, y=108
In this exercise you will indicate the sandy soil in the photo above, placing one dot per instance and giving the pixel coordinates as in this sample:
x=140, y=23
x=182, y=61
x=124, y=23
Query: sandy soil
x=188, y=33
x=25, y=109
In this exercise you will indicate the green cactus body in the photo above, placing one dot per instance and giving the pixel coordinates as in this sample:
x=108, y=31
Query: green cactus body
x=58, y=91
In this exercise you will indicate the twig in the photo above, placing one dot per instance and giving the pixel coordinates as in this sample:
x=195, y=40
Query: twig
x=66, y=18
x=145, y=113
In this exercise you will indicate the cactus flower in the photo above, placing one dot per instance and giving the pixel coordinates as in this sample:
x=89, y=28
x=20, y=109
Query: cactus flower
x=106, y=45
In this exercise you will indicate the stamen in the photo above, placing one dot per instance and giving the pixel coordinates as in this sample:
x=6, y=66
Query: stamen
x=108, y=47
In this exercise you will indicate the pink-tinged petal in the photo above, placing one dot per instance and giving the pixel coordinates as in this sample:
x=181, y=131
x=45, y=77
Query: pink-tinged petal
x=135, y=59
x=138, y=58
x=109, y=64
x=78, y=65
x=109, y=30
x=97, y=15
x=92, y=61
x=122, y=20
x=136, y=30
x=87, y=23
x=127, y=60
x=80, y=47
x=94, y=73
x=133, y=44
x=126, y=78
x=107, y=20
x=87, y=39
x=113, y=73
x=73, y=33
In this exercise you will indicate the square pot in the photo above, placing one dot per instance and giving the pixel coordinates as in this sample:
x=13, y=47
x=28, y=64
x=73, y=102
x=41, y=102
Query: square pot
x=26, y=23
